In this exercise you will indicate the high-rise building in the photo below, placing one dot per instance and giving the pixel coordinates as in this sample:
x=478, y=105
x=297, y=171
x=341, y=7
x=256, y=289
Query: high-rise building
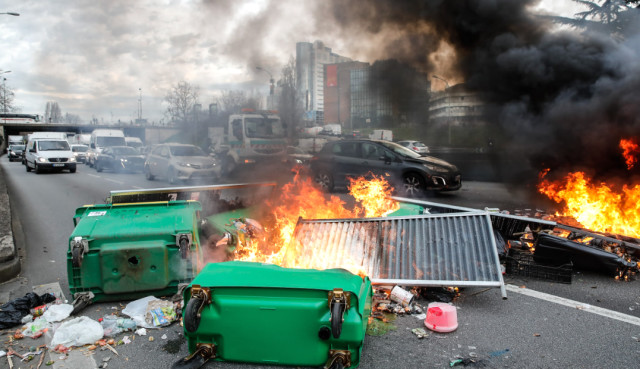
x=310, y=61
x=337, y=92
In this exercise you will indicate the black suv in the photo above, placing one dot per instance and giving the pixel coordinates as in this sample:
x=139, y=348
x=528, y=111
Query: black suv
x=409, y=172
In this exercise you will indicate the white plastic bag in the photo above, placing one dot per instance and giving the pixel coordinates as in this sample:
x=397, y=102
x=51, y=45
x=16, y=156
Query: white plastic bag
x=77, y=332
x=137, y=310
x=59, y=312
x=36, y=328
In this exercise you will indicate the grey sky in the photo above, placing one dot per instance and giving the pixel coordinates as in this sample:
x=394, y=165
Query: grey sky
x=93, y=56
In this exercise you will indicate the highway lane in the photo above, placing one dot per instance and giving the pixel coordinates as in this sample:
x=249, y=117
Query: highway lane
x=523, y=331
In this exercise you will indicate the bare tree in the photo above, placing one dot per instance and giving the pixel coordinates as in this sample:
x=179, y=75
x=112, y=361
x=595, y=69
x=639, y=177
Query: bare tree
x=290, y=101
x=181, y=99
x=233, y=101
x=6, y=99
x=52, y=113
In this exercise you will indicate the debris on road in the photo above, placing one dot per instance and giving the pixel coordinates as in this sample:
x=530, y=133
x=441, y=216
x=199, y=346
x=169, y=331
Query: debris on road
x=12, y=312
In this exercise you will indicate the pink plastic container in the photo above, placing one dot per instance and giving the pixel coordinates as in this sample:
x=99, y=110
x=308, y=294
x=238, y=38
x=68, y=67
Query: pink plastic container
x=441, y=317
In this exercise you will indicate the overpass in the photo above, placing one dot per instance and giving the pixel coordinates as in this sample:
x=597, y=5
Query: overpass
x=148, y=134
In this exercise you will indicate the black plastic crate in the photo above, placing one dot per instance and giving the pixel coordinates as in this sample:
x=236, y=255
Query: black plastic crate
x=522, y=263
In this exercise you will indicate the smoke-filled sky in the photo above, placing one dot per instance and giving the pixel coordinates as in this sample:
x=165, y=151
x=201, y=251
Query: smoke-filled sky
x=95, y=57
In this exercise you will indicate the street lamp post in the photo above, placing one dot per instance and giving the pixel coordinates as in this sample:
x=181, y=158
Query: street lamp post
x=271, y=86
x=448, y=109
x=140, y=106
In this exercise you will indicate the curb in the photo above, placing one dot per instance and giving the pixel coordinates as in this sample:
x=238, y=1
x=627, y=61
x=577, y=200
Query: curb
x=10, y=266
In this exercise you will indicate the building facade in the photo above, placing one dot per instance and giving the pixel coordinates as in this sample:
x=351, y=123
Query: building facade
x=311, y=59
x=337, y=92
x=456, y=106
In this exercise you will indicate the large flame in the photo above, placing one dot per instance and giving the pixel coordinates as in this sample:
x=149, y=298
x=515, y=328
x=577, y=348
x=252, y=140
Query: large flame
x=302, y=199
x=600, y=207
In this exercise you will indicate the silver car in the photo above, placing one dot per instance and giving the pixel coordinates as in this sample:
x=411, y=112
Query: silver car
x=416, y=146
x=180, y=162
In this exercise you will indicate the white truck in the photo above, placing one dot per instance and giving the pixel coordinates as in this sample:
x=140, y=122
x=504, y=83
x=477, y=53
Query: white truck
x=15, y=140
x=101, y=138
x=251, y=138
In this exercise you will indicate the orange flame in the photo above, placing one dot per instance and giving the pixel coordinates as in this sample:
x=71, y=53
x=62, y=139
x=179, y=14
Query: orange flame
x=630, y=151
x=598, y=207
x=302, y=199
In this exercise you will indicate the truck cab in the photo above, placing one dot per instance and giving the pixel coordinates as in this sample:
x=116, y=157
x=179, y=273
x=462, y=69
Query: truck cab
x=254, y=138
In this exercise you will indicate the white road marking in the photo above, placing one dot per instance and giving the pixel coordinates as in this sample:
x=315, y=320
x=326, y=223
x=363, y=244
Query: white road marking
x=575, y=304
x=113, y=180
x=94, y=175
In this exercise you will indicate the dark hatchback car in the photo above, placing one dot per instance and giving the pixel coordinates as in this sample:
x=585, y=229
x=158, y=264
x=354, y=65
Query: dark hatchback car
x=120, y=159
x=410, y=173
x=15, y=152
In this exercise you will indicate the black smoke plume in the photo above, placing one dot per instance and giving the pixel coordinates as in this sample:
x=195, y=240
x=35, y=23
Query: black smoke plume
x=564, y=99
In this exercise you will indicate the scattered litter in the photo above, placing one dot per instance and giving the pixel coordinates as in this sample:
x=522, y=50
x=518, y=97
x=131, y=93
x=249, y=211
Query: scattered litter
x=164, y=337
x=57, y=312
x=137, y=310
x=420, y=332
x=160, y=313
x=27, y=319
x=126, y=340
x=113, y=325
x=112, y=350
x=498, y=353
x=141, y=332
x=536, y=334
x=151, y=339
x=77, y=332
x=3, y=353
x=401, y=296
x=12, y=312
x=36, y=328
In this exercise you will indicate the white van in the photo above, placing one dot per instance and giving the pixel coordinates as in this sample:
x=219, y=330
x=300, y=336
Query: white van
x=58, y=135
x=101, y=138
x=49, y=153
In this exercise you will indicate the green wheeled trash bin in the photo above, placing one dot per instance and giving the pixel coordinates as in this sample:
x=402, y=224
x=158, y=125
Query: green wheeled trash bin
x=129, y=251
x=265, y=314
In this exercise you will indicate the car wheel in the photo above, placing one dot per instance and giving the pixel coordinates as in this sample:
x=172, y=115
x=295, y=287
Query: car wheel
x=413, y=184
x=72, y=170
x=324, y=180
x=26, y=165
x=37, y=168
x=171, y=176
x=147, y=173
x=98, y=167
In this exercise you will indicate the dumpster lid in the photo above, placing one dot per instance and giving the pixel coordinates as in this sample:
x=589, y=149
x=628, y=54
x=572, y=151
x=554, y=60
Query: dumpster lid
x=264, y=275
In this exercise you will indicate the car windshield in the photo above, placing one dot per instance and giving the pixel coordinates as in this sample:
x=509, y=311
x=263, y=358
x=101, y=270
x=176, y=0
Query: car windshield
x=79, y=148
x=263, y=128
x=400, y=150
x=17, y=147
x=53, y=145
x=419, y=144
x=186, y=151
x=125, y=151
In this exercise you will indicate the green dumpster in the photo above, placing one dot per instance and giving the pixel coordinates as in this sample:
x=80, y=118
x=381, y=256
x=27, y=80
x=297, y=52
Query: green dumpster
x=266, y=314
x=128, y=251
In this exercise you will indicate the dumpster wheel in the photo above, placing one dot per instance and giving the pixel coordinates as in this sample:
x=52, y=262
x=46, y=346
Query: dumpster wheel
x=192, y=314
x=337, y=311
x=77, y=254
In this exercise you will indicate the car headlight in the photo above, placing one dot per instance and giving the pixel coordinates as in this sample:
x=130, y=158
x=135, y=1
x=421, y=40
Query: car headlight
x=436, y=168
x=184, y=164
x=124, y=160
x=42, y=160
x=72, y=160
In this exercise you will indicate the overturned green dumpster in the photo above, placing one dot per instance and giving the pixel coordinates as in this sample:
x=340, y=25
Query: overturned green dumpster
x=133, y=250
x=148, y=242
